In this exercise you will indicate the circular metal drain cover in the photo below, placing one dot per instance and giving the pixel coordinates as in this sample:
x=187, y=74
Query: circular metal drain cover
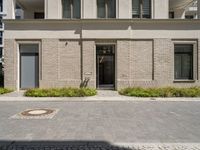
x=37, y=112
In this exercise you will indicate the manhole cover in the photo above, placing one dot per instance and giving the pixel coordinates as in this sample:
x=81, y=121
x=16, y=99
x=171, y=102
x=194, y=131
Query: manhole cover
x=37, y=112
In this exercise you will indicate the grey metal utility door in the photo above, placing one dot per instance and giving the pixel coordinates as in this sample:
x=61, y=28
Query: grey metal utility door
x=29, y=70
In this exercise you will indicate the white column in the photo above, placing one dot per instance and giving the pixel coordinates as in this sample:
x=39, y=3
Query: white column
x=9, y=8
x=124, y=9
x=160, y=9
x=53, y=9
x=89, y=9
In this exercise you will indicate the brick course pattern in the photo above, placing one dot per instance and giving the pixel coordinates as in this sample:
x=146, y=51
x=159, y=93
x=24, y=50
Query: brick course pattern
x=10, y=67
x=60, y=63
x=145, y=63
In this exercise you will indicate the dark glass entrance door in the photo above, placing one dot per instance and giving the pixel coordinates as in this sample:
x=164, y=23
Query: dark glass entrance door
x=106, y=67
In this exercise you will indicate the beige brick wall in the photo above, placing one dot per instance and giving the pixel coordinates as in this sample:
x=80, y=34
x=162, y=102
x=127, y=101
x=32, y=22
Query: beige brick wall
x=122, y=63
x=163, y=62
x=150, y=63
x=89, y=62
x=10, y=67
x=141, y=60
x=146, y=63
x=134, y=63
x=61, y=63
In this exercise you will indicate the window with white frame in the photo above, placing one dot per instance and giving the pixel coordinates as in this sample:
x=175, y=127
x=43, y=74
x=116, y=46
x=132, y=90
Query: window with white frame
x=106, y=8
x=183, y=61
x=141, y=8
x=71, y=9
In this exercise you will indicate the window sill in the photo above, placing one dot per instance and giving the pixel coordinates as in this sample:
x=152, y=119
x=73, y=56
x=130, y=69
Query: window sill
x=183, y=81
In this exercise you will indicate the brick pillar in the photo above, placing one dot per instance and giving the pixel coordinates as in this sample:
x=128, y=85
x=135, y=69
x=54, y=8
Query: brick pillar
x=89, y=63
x=11, y=62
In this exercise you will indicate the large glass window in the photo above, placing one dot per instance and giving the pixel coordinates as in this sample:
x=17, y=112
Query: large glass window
x=183, y=61
x=106, y=8
x=71, y=9
x=141, y=8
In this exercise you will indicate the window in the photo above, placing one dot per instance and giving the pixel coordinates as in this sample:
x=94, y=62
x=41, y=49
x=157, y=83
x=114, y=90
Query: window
x=189, y=17
x=1, y=38
x=106, y=8
x=171, y=14
x=183, y=61
x=1, y=52
x=141, y=8
x=1, y=5
x=1, y=24
x=39, y=15
x=71, y=9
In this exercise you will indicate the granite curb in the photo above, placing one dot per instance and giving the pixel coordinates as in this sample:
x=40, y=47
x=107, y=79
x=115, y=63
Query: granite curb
x=96, y=98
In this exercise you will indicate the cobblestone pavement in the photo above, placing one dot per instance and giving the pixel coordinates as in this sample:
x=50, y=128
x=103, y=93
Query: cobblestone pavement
x=112, y=122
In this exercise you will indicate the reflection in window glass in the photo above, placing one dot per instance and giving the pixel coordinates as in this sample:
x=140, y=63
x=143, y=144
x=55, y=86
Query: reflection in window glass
x=183, y=61
x=71, y=9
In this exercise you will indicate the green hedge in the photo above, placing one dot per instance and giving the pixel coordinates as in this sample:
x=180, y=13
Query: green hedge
x=4, y=91
x=61, y=92
x=161, y=92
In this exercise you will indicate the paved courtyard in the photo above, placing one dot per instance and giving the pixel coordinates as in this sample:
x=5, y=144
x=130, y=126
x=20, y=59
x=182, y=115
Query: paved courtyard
x=103, y=122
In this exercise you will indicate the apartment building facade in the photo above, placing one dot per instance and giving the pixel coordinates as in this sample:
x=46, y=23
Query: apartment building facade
x=107, y=44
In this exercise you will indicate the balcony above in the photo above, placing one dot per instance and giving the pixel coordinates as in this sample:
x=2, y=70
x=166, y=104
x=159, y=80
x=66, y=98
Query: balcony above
x=88, y=9
x=29, y=9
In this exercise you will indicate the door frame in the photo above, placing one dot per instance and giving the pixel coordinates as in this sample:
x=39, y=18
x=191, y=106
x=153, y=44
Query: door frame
x=27, y=54
x=19, y=61
x=114, y=63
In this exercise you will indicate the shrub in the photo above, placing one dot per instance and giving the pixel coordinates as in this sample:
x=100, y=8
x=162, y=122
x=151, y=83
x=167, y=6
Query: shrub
x=61, y=92
x=161, y=92
x=4, y=91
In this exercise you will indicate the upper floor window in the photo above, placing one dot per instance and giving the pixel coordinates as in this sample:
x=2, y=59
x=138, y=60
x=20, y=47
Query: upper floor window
x=1, y=24
x=141, y=8
x=106, y=8
x=39, y=15
x=71, y=9
x=1, y=37
x=1, y=5
x=171, y=14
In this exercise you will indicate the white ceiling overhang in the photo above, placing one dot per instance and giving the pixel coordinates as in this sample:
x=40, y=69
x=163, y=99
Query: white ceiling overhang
x=180, y=4
x=31, y=4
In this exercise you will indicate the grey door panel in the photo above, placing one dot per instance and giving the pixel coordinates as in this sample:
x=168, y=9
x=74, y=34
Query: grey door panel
x=29, y=71
x=29, y=66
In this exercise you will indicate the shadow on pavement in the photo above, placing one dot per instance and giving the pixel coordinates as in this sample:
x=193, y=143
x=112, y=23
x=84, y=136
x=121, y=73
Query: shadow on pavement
x=59, y=145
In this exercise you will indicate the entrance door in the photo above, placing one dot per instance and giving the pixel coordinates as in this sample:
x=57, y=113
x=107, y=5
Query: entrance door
x=105, y=67
x=29, y=66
